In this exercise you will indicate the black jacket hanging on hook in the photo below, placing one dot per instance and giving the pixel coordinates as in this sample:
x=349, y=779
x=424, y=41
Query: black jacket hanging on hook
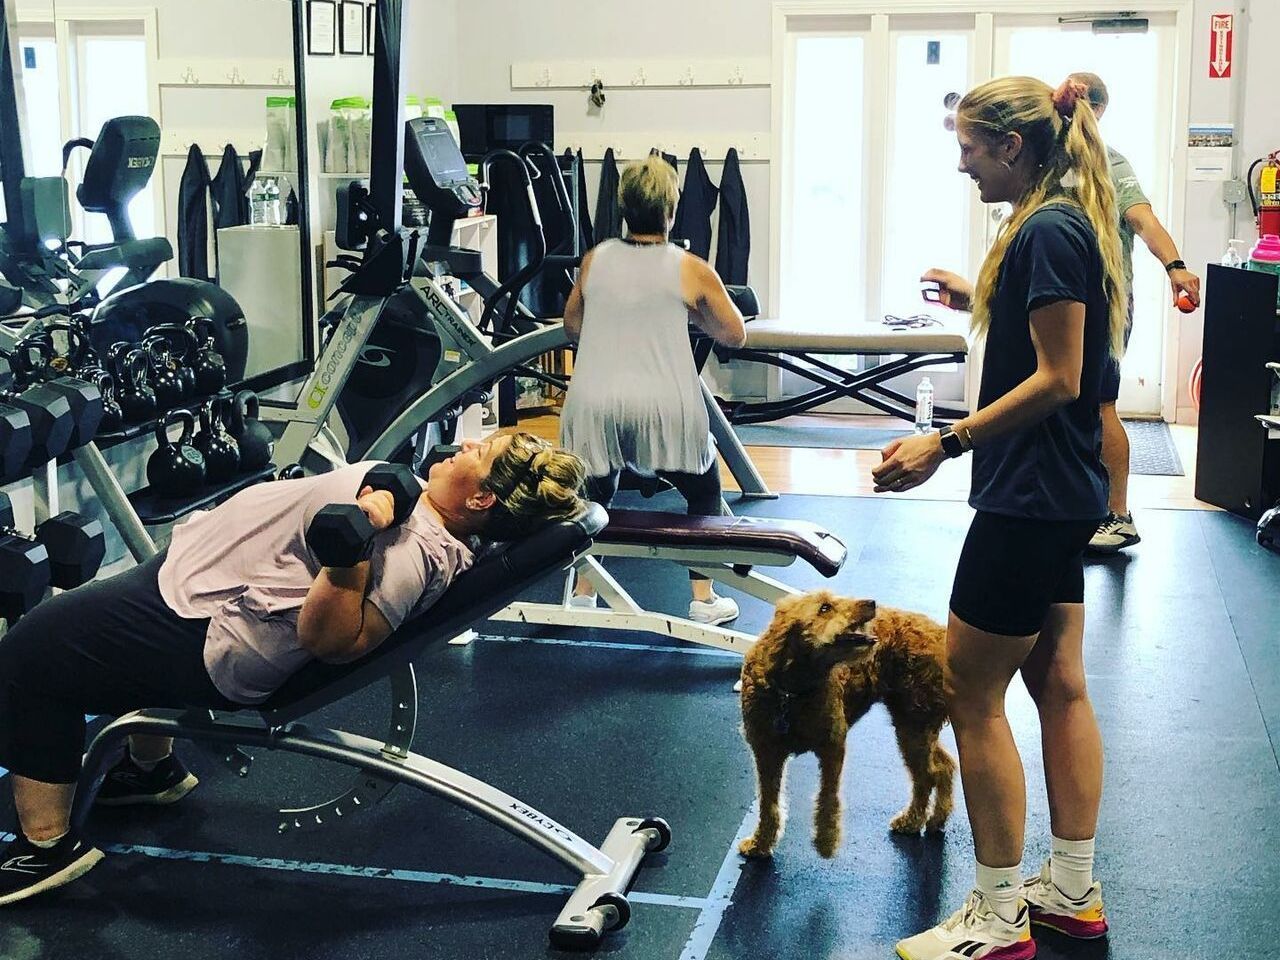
x=193, y=216
x=733, y=246
x=608, y=219
x=693, y=213
x=585, y=237
x=230, y=188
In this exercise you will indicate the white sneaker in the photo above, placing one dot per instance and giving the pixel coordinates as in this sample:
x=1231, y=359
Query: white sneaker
x=716, y=610
x=1083, y=919
x=974, y=932
x=1115, y=533
x=583, y=601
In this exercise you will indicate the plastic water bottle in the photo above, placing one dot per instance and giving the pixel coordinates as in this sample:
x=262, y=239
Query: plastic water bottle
x=272, y=204
x=1232, y=257
x=258, y=203
x=924, y=406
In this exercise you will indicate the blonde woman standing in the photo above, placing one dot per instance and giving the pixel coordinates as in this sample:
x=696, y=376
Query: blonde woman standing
x=1050, y=301
x=635, y=402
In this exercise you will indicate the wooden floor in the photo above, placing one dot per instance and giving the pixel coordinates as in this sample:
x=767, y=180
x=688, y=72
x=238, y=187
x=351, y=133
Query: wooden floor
x=848, y=472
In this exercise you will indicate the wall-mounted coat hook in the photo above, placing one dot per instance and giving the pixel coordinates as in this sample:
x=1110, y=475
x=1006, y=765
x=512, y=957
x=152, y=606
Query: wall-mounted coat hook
x=544, y=79
x=189, y=76
x=737, y=77
x=234, y=76
x=640, y=79
x=281, y=78
x=686, y=78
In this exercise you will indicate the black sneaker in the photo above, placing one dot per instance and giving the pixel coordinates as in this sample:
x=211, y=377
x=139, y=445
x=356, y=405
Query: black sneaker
x=26, y=869
x=127, y=783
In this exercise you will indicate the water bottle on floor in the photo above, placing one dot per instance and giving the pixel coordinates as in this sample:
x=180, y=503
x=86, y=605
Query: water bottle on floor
x=924, y=406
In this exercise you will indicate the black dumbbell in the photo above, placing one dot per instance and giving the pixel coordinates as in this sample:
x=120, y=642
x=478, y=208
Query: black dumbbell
x=51, y=422
x=76, y=547
x=340, y=535
x=85, y=401
x=24, y=567
x=15, y=442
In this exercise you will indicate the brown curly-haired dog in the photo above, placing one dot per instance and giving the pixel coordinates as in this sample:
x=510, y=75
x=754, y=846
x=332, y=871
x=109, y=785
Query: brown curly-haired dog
x=814, y=672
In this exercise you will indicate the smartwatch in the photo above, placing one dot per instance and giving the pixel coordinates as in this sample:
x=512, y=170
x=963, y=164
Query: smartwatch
x=952, y=445
x=1173, y=265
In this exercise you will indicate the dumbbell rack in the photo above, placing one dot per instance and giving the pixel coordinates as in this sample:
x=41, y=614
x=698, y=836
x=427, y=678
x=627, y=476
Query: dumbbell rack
x=120, y=509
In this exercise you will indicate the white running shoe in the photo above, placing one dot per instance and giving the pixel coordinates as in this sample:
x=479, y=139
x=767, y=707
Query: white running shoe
x=1115, y=534
x=1083, y=919
x=714, y=611
x=974, y=932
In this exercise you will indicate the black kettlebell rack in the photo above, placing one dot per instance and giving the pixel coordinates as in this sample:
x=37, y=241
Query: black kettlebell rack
x=130, y=513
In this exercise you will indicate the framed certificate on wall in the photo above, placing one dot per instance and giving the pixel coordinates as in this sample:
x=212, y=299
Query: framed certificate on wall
x=322, y=28
x=351, y=27
x=371, y=25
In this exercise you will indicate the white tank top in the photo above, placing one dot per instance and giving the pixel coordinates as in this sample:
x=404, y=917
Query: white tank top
x=635, y=400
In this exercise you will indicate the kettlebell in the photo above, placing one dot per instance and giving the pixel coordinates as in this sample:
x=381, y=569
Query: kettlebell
x=176, y=469
x=112, y=413
x=256, y=442
x=163, y=369
x=208, y=366
x=220, y=451
x=137, y=399
x=183, y=343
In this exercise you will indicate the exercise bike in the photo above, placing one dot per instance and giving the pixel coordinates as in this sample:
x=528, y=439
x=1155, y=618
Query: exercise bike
x=402, y=358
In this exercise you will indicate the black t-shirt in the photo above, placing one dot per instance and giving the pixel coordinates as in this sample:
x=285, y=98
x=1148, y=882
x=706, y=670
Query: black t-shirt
x=1053, y=469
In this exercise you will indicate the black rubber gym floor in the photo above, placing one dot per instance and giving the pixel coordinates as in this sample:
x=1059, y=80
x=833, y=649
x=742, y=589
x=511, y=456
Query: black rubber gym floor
x=1183, y=661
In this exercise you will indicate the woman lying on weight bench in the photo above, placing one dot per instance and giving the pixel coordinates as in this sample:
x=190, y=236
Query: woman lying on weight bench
x=323, y=567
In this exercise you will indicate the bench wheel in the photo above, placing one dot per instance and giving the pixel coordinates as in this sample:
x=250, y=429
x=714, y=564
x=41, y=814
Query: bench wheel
x=620, y=904
x=661, y=827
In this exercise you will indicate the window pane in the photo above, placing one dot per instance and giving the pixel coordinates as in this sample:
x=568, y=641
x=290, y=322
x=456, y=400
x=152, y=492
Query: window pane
x=114, y=84
x=39, y=58
x=823, y=238
x=927, y=208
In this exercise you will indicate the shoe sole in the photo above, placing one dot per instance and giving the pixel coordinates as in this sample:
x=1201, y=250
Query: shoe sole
x=1064, y=929
x=716, y=621
x=1116, y=547
x=164, y=798
x=75, y=869
x=1015, y=951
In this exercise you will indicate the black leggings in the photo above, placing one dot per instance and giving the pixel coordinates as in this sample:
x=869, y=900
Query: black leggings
x=108, y=647
x=701, y=491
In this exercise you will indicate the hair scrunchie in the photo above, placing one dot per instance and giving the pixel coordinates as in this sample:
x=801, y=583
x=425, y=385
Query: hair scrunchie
x=1069, y=93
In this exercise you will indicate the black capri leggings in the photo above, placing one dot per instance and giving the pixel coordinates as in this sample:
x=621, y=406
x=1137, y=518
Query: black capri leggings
x=701, y=491
x=108, y=647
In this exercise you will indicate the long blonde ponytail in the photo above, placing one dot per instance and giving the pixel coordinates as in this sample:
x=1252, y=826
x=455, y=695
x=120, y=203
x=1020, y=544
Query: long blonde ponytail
x=1067, y=145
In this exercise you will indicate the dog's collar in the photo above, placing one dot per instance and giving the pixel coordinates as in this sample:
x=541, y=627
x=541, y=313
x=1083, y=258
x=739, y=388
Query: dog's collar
x=786, y=697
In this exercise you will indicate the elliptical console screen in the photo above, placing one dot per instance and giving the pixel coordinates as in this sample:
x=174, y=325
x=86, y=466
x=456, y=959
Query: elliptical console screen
x=439, y=154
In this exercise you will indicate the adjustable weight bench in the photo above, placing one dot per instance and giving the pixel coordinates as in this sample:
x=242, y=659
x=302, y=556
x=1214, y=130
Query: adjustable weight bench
x=597, y=905
x=726, y=549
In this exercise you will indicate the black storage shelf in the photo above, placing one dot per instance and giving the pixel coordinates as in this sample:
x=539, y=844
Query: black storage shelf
x=153, y=509
x=131, y=431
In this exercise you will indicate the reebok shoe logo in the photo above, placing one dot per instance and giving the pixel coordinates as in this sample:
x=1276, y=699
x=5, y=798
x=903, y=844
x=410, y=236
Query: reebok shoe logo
x=23, y=864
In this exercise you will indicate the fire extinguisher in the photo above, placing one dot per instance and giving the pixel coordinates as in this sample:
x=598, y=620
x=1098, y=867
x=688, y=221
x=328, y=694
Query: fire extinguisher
x=1266, y=200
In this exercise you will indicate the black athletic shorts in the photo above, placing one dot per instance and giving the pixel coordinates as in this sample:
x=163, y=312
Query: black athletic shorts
x=1012, y=569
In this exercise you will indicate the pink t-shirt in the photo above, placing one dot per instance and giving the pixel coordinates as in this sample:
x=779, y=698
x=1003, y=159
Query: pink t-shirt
x=245, y=566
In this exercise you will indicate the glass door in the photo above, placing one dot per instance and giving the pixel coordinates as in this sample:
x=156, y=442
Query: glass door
x=1139, y=124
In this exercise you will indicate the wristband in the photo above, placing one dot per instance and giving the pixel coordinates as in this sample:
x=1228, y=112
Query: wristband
x=1173, y=265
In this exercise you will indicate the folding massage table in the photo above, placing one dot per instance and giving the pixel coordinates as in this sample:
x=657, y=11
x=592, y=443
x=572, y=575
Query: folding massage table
x=596, y=906
x=791, y=347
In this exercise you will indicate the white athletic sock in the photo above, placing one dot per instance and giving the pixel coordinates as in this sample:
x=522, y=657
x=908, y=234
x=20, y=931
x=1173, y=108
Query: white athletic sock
x=48, y=844
x=1071, y=866
x=1001, y=887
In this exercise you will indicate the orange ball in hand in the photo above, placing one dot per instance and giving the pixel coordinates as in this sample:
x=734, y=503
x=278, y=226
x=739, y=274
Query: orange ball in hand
x=1184, y=302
